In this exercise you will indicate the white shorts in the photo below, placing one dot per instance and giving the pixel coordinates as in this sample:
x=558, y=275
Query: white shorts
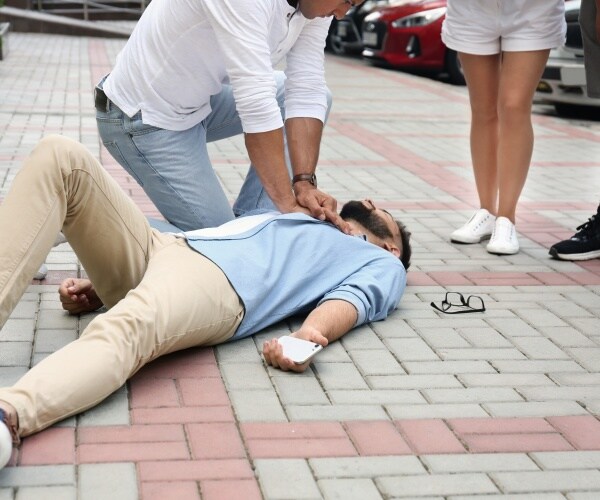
x=485, y=27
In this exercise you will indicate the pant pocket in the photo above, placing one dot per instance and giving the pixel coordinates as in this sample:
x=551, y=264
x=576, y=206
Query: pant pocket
x=115, y=151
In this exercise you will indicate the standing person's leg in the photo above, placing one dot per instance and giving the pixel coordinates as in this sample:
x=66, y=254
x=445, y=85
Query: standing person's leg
x=519, y=76
x=184, y=300
x=173, y=168
x=61, y=185
x=482, y=75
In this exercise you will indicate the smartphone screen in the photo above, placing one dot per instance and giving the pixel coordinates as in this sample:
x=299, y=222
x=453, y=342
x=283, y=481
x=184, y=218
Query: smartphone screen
x=298, y=350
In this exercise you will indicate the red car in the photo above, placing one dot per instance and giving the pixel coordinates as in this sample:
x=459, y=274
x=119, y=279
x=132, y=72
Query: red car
x=407, y=34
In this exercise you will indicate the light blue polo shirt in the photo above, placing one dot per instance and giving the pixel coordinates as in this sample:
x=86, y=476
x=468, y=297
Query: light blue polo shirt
x=281, y=265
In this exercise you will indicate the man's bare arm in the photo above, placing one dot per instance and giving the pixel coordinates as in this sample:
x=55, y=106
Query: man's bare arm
x=304, y=142
x=325, y=324
x=267, y=155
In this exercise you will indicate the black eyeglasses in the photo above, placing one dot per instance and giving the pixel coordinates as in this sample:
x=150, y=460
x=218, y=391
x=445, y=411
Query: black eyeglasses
x=460, y=305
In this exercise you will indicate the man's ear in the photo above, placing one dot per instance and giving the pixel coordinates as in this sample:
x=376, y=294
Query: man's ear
x=392, y=248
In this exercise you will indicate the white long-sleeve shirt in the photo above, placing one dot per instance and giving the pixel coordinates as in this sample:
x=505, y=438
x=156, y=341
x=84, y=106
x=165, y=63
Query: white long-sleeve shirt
x=182, y=52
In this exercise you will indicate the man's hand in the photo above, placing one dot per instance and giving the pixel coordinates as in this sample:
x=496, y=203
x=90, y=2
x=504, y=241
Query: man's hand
x=273, y=351
x=78, y=296
x=320, y=205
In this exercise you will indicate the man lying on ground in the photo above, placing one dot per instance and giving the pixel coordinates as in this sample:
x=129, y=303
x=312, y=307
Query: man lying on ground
x=166, y=292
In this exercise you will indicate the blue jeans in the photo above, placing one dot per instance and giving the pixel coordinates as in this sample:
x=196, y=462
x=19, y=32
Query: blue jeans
x=173, y=167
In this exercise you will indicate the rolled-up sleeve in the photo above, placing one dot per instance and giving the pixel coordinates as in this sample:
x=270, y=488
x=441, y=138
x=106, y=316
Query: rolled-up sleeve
x=305, y=87
x=241, y=28
x=374, y=290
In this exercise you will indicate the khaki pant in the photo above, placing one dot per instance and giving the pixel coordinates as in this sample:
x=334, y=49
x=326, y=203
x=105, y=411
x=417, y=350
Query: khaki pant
x=162, y=295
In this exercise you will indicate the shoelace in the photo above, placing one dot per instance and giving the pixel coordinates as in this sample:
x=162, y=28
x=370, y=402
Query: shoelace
x=593, y=223
x=502, y=231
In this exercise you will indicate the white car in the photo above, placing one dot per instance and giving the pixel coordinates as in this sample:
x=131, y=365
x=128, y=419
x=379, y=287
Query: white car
x=563, y=81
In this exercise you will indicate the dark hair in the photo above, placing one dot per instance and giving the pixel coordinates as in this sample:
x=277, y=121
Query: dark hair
x=406, y=252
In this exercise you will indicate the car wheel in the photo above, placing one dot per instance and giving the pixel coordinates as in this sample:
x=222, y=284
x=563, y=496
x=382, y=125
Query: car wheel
x=567, y=110
x=454, y=69
x=334, y=44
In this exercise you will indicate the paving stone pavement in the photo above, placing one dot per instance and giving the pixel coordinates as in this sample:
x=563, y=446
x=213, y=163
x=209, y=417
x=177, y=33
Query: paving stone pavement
x=501, y=403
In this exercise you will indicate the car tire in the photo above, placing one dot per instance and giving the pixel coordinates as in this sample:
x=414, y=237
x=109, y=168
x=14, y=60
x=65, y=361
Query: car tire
x=454, y=69
x=334, y=44
x=568, y=110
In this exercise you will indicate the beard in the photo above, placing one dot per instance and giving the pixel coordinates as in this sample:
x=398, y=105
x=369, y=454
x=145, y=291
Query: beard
x=366, y=217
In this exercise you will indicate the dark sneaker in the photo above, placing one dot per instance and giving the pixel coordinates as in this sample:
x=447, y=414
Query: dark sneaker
x=583, y=245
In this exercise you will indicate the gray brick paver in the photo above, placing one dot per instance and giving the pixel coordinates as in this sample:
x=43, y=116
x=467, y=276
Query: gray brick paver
x=412, y=349
x=556, y=460
x=336, y=412
x=471, y=395
x=448, y=367
x=245, y=376
x=437, y=410
x=46, y=493
x=480, y=462
x=588, y=357
x=298, y=484
x=117, y=481
x=300, y=391
x=439, y=484
x=376, y=397
x=523, y=496
x=529, y=481
x=39, y=475
x=349, y=489
x=376, y=362
x=257, y=406
x=534, y=409
x=486, y=380
x=339, y=375
x=413, y=381
x=341, y=467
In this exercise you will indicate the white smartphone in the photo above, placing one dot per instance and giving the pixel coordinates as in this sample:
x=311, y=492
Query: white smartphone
x=298, y=350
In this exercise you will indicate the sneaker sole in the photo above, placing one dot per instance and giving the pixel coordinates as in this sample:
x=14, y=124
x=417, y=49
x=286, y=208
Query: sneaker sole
x=501, y=252
x=471, y=242
x=574, y=256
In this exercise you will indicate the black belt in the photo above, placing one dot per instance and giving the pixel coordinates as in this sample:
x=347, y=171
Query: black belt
x=101, y=101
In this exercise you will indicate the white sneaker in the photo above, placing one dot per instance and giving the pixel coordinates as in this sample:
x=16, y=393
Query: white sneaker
x=504, y=239
x=6, y=442
x=479, y=228
x=60, y=239
x=42, y=272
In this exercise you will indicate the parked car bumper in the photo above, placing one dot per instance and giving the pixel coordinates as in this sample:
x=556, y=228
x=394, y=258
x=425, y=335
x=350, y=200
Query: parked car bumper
x=563, y=81
x=405, y=47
